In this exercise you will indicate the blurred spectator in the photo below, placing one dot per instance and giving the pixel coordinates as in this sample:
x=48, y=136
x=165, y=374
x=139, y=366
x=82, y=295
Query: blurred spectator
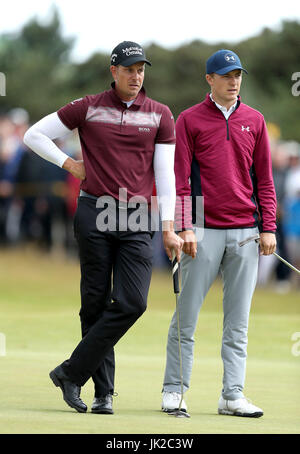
x=291, y=218
x=37, y=200
x=285, y=179
x=292, y=185
x=12, y=129
x=42, y=188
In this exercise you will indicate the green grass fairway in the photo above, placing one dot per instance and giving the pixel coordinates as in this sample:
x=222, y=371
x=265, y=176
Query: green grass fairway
x=39, y=304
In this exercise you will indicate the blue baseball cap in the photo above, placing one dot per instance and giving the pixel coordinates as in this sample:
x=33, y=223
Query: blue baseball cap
x=223, y=61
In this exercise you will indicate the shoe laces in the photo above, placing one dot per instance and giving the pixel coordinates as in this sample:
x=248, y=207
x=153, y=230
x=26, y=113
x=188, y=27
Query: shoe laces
x=104, y=397
x=176, y=395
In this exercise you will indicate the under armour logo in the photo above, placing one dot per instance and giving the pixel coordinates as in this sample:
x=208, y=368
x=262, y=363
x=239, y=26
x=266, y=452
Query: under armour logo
x=246, y=128
x=229, y=57
x=113, y=58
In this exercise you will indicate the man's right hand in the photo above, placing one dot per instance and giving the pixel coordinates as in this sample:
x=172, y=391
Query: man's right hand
x=172, y=243
x=190, y=242
x=76, y=168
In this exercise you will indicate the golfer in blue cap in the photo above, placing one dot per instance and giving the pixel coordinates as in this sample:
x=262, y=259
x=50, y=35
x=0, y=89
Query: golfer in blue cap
x=223, y=155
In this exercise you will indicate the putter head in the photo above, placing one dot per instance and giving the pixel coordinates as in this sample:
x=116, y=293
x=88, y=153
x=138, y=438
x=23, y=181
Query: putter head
x=248, y=240
x=179, y=414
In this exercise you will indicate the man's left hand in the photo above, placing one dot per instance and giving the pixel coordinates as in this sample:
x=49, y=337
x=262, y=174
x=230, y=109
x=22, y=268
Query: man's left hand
x=267, y=243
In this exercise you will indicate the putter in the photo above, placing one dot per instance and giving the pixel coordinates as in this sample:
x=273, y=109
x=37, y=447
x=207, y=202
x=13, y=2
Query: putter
x=176, y=271
x=256, y=239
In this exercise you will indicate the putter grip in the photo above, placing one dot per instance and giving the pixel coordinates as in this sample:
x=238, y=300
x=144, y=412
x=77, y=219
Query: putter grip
x=175, y=271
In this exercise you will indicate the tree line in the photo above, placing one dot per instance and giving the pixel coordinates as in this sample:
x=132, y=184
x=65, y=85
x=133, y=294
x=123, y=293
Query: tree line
x=41, y=75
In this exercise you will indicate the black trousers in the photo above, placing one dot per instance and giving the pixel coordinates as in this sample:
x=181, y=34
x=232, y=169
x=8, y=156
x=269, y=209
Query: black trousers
x=116, y=269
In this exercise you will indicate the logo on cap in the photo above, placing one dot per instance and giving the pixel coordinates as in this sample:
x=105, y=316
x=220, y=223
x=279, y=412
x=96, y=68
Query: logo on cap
x=230, y=57
x=113, y=57
x=132, y=51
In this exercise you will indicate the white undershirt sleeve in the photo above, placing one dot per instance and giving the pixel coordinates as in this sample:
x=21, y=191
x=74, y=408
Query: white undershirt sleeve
x=40, y=136
x=163, y=164
x=40, y=139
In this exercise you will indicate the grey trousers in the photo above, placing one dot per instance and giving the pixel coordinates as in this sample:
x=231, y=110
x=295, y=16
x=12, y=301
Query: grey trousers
x=217, y=251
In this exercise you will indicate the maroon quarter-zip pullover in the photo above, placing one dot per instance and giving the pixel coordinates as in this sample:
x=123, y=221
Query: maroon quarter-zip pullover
x=228, y=162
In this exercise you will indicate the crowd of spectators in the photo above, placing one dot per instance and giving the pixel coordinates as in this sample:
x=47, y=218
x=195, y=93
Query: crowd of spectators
x=38, y=200
x=286, y=173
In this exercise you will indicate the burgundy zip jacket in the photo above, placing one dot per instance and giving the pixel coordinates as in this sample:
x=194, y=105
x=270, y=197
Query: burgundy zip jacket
x=228, y=162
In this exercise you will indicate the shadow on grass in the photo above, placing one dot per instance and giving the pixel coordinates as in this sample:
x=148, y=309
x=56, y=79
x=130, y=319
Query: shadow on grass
x=121, y=412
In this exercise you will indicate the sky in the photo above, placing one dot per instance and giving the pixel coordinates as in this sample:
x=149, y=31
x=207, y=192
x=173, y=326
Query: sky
x=100, y=25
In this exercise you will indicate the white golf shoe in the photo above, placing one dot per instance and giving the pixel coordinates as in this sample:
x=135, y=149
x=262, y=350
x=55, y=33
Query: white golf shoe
x=239, y=407
x=171, y=401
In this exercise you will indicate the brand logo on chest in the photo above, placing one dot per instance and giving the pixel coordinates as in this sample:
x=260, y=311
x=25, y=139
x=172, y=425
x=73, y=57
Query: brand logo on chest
x=246, y=128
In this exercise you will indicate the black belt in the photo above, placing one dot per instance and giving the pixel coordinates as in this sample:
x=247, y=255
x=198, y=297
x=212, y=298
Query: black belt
x=121, y=205
x=86, y=194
